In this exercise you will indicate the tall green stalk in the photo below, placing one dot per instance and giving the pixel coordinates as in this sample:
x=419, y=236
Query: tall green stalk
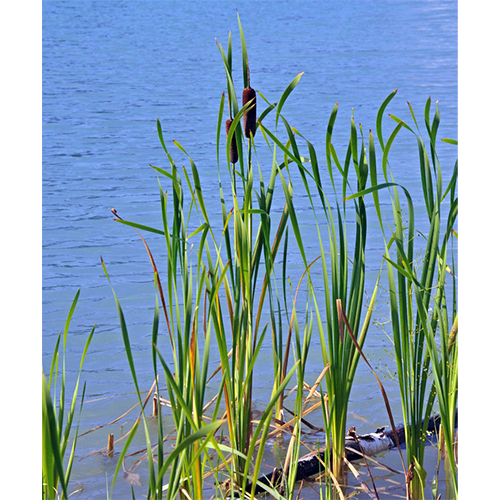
x=417, y=290
x=193, y=435
x=244, y=266
x=343, y=272
x=186, y=384
x=56, y=422
x=189, y=336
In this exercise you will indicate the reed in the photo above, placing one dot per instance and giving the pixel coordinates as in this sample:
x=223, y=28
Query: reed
x=57, y=420
x=439, y=320
x=193, y=435
x=343, y=282
x=250, y=247
x=420, y=313
x=186, y=383
x=241, y=265
x=188, y=334
x=302, y=346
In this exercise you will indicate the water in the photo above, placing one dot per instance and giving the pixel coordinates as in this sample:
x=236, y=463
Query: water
x=110, y=68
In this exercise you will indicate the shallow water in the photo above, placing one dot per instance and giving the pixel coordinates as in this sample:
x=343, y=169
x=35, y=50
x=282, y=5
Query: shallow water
x=110, y=68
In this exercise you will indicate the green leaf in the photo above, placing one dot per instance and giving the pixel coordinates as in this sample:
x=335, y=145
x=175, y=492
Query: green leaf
x=197, y=436
x=125, y=335
x=380, y=114
x=244, y=55
x=285, y=95
x=140, y=226
x=369, y=190
x=51, y=434
x=387, y=148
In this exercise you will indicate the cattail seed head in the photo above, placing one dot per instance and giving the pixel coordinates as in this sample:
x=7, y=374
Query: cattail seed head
x=250, y=117
x=233, y=151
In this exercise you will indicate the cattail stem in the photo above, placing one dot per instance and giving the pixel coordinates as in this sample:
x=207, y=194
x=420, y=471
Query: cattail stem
x=111, y=445
x=155, y=405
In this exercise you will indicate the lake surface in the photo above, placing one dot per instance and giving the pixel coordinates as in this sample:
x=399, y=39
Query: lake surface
x=111, y=68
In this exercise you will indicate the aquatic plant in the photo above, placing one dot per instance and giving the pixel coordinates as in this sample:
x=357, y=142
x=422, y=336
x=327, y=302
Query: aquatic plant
x=343, y=272
x=186, y=395
x=418, y=305
x=232, y=264
x=250, y=250
x=57, y=420
x=238, y=334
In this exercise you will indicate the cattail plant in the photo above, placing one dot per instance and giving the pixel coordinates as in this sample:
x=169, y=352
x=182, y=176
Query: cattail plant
x=251, y=251
x=55, y=431
x=222, y=297
x=419, y=311
x=343, y=276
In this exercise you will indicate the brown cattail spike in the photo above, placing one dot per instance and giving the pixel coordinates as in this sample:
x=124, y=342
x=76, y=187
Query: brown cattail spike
x=233, y=151
x=250, y=117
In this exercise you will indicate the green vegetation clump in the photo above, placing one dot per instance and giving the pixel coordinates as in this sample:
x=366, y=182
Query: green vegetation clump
x=215, y=298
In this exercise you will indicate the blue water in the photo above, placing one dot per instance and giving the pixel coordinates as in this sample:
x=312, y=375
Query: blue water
x=110, y=68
